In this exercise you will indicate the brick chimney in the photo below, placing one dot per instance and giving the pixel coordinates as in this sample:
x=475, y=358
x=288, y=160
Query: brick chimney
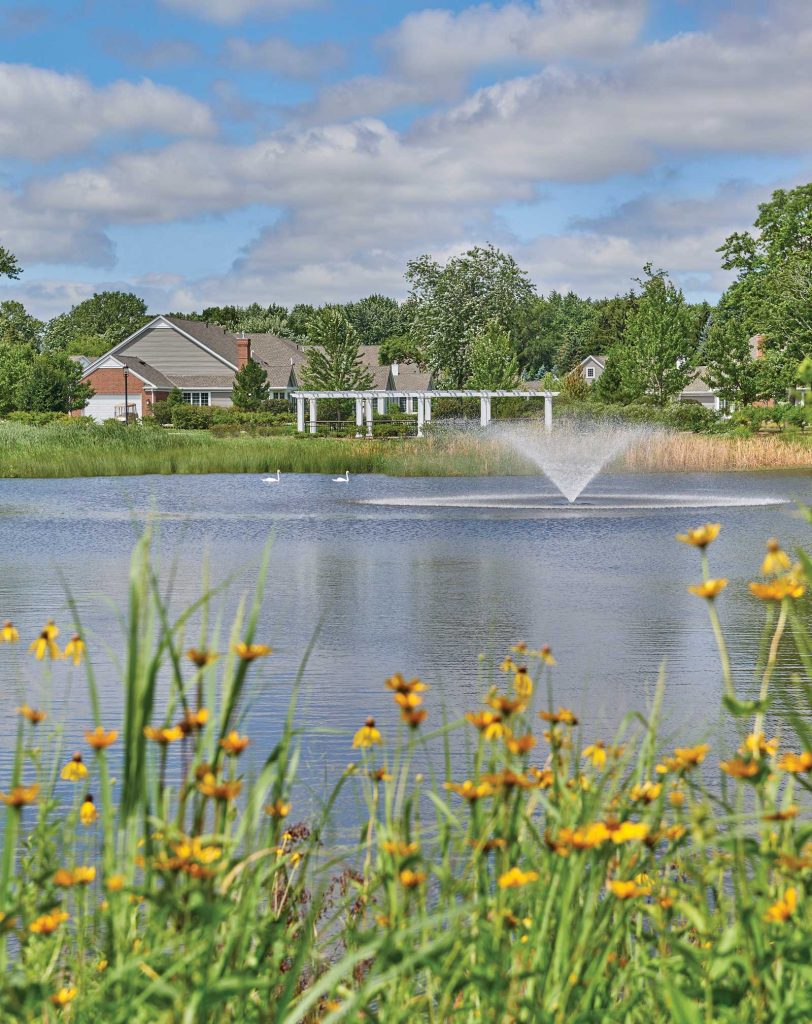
x=757, y=346
x=243, y=351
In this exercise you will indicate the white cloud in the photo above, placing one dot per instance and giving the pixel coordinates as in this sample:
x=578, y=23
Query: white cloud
x=231, y=11
x=279, y=57
x=44, y=113
x=34, y=234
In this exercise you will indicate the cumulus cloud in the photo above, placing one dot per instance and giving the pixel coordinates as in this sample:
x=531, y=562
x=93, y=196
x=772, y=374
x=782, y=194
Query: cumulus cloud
x=280, y=57
x=35, y=234
x=70, y=114
x=231, y=11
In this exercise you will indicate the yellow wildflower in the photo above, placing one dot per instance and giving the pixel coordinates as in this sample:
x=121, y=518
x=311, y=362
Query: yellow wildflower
x=88, y=812
x=596, y=753
x=401, y=685
x=19, y=796
x=626, y=831
x=488, y=723
x=99, y=739
x=399, y=849
x=585, y=837
x=9, y=634
x=33, y=716
x=785, y=586
x=700, y=536
x=45, y=643
x=46, y=924
x=522, y=683
x=115, y=883
x=505, y=705
x=561, y=717
x=508, y=665
x=163, y=735
x=368, y=735
x=75, y=770
x=74, y=649
x=709, y=588
x=469, y=790
x=515, y=878
x=201, y=657
x=787, y=814
x=520, y=744
x=755, y=743
x=278, y=809
x=249, y=652
x=784, y=908
x=65, y=877
x=413, y=716
x=411, y=879
x=234, y=744
x=627, y=890
x=798, y=764
x=193, y=721
x=408, y=701
x=647, y=792
x=221, y=789
x=65, y=995
x=776, y=560
x=738, y=768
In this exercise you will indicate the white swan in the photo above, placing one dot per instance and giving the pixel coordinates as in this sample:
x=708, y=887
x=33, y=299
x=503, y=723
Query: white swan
x=272, y=479
x=342, y=479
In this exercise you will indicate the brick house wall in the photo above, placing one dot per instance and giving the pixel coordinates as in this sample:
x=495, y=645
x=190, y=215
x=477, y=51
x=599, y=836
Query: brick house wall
x=110, y=381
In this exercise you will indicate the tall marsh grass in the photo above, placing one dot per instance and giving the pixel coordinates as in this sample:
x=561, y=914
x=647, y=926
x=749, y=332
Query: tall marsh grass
x=551, y=876
x=702, y=453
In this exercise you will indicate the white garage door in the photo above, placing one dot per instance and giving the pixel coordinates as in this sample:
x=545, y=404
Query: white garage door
x=108, y=407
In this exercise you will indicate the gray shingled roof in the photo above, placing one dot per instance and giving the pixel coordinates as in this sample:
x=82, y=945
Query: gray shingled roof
x=698, y=385
x=149, y=373
x=411, y=378
x=278, y=376
x=201, y=380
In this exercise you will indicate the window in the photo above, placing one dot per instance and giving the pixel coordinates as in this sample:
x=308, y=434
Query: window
x=196, y=397
x=279, y=396
x=590, y=371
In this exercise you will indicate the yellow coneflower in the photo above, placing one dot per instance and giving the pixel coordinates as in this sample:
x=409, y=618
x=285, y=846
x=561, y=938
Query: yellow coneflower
x=508, y=780
x=67, y=877
x=545, y=654
x=45, y=643
x=776, y=560
x=399, y=849
x=756, y=743
x=585, y=837
x=201, y=658
x=738, y=768
x=193, y=721
x=470, y=790
x=700, y=536
x=413, y=717
x=19, y=796
x=193, y=849
x=46, y=924
x=401, y=685
x=234, y=744
x=709, y=589
x=783, y=909
x=33, y=716
x=368, y=735
x=87, y=812
x=787, y=814
x=99, y=739
x=507, y=665
x=408, y=701
x=778, y=590
x=544, y=776
x=411, y=879
x=75, y=770
x=647, y=792
x=163, y=735
x=9, y=634
x=249, y=652
x=522, y=683
x=626, y=831
x=64, y=996
x=520, y=744
x=515, y=878
x=74, y=649
x=797, y=764
x=115, y=883
x=561, y=717
x=684, y=759
x=278, y=809
x=380, y=775
x=596, y=753
x=506, y=705
x=219, y=789
x=488, y=723
x=627, y=890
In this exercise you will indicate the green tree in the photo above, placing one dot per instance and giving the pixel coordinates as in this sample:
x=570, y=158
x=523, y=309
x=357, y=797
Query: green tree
x=657, y=357
x=110, y=316
x=45, y=382
x=401, y=348
x=251, y=388
x=9, y=267
x=376, y=318
x=455, y=301
x=15, y=366
x=613, y=316
x=730, y=368
x=334, y=354
x=17, y=326
x=299, y=317
x=494, y=365
x=611, y=386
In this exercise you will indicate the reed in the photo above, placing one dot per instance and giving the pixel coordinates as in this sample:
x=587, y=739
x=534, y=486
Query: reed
x=548, y=876
x=701, y=453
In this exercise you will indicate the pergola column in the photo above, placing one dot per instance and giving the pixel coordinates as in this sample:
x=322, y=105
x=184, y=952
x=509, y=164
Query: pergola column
x=421, y=415
x=312, y=415
x=428, y=410
x=548, y=412
x=368, y=409
x=359, y=416
x=485, y=410
x=300, y=415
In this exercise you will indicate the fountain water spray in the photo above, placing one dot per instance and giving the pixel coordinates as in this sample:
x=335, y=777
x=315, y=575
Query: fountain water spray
x=573, y=453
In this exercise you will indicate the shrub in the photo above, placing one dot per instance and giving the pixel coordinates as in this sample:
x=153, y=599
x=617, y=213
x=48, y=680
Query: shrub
x=39, y=419
x=690, y=416
x=192, y=417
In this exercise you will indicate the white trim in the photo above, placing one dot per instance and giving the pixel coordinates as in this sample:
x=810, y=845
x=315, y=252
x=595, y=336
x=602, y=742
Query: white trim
x=164, y=323
x=111, y=363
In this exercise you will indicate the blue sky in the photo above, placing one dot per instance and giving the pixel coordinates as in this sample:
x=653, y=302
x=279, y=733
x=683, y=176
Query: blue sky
x=213, y=151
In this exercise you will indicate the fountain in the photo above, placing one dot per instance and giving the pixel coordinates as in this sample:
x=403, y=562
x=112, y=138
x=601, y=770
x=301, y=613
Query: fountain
x=575, y=451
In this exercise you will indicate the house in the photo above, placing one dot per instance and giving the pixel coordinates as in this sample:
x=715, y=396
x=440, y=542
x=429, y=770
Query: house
x=696, y=390
x=201, y=360
x=592, y=367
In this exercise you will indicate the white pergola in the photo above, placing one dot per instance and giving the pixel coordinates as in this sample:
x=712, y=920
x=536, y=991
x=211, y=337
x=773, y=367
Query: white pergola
x=365, y=400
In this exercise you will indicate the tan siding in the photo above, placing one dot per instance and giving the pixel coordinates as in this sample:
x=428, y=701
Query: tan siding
x=169, y=352
x=221, y=398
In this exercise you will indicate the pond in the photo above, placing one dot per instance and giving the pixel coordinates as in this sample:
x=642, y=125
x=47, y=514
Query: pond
x=413, y=575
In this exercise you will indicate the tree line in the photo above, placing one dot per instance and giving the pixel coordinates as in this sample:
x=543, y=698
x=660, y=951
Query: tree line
x=478, y=321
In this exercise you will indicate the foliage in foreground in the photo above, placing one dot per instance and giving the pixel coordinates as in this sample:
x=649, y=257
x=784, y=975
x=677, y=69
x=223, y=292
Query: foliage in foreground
x=541, y=878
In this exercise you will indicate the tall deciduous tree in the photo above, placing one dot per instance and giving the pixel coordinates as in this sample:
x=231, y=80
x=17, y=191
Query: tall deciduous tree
x=251, y=388
x=17, y=326
x=658, y=356
x=455, y=301
x=9, y=267
x=334, y=354
x=109, y=316
x=494, y=365
x=730, y=368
